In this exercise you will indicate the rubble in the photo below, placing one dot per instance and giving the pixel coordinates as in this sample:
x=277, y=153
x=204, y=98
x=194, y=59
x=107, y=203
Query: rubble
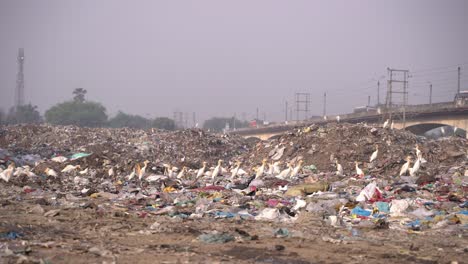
x=115, y=180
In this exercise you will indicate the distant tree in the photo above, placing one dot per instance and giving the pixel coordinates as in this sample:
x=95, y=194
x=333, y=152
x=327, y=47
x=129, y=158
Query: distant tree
x=23, y=114
x=88, y=114
x=164, y=123
x=219, y=123
x=125, y=120
x=79, y=95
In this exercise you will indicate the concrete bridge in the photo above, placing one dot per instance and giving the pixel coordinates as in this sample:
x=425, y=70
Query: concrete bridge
x=419, y=119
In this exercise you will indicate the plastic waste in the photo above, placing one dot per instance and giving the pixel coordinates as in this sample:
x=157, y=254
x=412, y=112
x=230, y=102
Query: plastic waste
x=79, y=155
x=216, y=238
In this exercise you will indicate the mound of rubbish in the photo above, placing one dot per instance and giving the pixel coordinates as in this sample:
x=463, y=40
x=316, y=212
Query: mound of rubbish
x=348, y=143
x=122, y=146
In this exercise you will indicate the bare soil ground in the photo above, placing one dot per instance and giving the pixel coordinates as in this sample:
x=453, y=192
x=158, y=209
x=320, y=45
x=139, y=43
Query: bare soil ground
x=94, y=235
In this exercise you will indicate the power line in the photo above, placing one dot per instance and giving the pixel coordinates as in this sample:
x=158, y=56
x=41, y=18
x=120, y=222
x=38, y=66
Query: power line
x=438, y=68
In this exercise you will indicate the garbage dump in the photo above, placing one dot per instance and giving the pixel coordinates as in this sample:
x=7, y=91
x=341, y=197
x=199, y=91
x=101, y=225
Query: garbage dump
x=332, y=193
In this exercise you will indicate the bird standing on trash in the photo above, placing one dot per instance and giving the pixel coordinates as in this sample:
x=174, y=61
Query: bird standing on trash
x=392, y=125
x=274, y=168
x=405, y=166
x=374, y=154
x=260, y=170
x=140, y=171
x=201, y=171
x=50, y=172
x=418, y=151
x=296, y=169
x=217, y=170
x=286, y=172
x=70, y=168
x=7, y=173
x=339, y=168
x=385, y=124
x=358, y=170
x=182, y=173
x=414, y=170
x=235, y=171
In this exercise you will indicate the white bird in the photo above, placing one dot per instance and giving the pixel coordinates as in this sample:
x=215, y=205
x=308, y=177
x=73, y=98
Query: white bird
x=182, y=173
x=338, y=119
x=418, y=151
x=83, y=171
x=70, y=168
x=217, y=169
x=358, y=170
x=201, y=171
x=276, y=167
x=141, y=171
x=286, y=172
x=391, y=125
x=50, y=172
x=59, y=159
x=339, y=168
x=169, y=170
x=414, y=170
x=111, y=172
x=405, y=166
x=235, y=171
x=25, y=170
x=130, y=177
x=7, y=173
x=374, y=154
x=260, y=170
x=273, y=168
x=297, y=169
x=442, y=129
x=385, y=124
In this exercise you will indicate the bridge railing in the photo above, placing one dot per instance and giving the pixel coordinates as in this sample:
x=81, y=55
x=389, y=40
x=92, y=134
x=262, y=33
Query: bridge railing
x=361, y=116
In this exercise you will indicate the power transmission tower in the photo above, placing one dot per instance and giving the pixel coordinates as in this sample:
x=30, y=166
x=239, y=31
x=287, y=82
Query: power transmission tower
x=19, y=91
x=302, y=104
x=392, y=99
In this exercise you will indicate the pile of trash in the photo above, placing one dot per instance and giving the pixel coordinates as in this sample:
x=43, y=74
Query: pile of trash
x=120, y=146
x=132, y=172
x=323, y=146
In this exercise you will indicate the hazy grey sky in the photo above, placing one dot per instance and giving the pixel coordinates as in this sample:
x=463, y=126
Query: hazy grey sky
x=217, y=58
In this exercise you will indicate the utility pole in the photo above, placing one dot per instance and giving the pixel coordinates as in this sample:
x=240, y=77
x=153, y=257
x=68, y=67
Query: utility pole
x=286, y=112
x=324, y=104
x=257, y=115
x=19, y=92
x=405, y=98
x=430, y=94
x=378, y=93
x=459, y=73
x=368, y=101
